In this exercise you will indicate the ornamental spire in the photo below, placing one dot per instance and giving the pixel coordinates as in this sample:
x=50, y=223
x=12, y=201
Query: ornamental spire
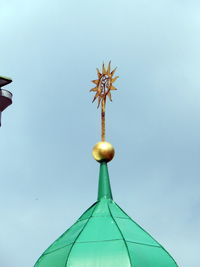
x=103, y=151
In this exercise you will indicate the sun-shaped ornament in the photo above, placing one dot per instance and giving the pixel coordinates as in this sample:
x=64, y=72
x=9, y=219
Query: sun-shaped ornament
x=104, y=84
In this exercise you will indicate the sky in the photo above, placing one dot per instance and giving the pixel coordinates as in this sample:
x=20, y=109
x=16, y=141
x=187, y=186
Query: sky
x=48, y=177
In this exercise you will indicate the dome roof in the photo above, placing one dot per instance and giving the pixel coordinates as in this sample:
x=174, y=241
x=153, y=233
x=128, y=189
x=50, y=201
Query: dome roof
x=105, y=236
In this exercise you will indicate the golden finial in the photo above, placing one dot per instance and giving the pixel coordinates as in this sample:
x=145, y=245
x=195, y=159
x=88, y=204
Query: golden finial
x=103, y=151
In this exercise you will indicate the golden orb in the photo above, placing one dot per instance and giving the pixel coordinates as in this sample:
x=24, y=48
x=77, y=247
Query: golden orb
x=103, y=151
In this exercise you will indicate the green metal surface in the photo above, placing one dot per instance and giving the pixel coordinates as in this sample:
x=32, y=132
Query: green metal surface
x=104, y=183
x=105, y=236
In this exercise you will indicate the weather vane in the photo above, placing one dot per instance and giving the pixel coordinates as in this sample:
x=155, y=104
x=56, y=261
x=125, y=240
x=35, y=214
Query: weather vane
x=103, y=151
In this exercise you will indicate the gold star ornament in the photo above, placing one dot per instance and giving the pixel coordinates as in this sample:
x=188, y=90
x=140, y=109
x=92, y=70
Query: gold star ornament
x=104, y=84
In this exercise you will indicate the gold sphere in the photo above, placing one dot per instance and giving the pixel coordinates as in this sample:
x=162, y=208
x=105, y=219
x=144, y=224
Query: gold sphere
x=103, y=151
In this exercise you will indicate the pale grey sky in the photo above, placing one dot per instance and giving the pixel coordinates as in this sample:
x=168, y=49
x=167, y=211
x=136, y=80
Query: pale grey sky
x=48, y=177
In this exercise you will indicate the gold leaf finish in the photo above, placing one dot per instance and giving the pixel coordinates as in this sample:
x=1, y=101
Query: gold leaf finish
x=103, y=151
x=104, y=84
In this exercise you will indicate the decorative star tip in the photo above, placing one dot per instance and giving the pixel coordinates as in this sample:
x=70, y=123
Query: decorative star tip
x=104, y=84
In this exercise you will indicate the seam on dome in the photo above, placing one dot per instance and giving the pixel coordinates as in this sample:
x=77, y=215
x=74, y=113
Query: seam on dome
x=144, y=244
x=65, y=233
x=92, y=206
x=139, y=226
x=79, y=235
x=103, y=217
x=121, y=235
x=98, y=241
x=149, y=235
x=83, y=242
x=46, y=253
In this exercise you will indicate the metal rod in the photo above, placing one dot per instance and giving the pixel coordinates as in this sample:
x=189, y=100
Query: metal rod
x=103, y=123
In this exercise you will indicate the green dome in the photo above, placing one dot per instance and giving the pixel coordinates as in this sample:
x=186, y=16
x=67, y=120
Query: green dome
x=105, y=236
